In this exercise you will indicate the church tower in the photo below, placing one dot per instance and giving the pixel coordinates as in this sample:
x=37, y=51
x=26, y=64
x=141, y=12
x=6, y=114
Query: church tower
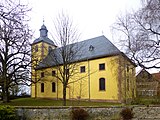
x=42, y=45
x=40, y=48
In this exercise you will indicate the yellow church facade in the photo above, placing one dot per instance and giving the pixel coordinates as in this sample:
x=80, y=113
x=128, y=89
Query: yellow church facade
x=103, y=73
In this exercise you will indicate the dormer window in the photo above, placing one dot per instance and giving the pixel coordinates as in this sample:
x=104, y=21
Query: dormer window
x=91, y=48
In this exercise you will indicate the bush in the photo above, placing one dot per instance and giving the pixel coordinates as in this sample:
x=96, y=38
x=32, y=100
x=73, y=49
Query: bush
x=126, y=113
x=79, y=114
x=7, y=113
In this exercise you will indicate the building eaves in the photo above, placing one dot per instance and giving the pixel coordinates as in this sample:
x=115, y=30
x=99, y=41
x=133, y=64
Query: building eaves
x=43, y=39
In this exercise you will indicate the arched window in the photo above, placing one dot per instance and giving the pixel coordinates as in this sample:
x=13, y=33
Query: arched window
x=102, y=85
x=42, y=87
x=53, y=87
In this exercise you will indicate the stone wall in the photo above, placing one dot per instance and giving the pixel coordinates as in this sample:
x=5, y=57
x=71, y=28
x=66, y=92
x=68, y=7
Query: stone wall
x=95, y=113
x=147, y=113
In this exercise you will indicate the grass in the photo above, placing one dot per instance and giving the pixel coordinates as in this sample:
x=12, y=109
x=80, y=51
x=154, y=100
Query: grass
x=146, y=101
x=50, y=102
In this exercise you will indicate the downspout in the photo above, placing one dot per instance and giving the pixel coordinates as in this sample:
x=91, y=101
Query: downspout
x=35, y=84
x=89, y=95
x=125, y=83
x=57, y=84
x=120, y=80
x=35, y=72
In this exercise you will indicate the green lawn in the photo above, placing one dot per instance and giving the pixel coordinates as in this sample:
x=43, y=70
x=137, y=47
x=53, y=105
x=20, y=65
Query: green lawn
x=49, y=102
x=147, y=101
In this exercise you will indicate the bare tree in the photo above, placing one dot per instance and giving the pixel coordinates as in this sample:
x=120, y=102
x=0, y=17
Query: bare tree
x=14, y=47
x=140, y=34
x=14, y=90
x=65, y=57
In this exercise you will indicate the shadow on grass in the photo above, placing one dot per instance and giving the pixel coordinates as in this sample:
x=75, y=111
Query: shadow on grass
x=52, y=102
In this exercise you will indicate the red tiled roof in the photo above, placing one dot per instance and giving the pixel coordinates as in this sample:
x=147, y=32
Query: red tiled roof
x=156, y=76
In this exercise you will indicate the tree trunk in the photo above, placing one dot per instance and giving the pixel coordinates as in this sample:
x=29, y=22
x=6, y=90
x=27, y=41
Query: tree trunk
x=5, y=90
x=5, y=95
x=35, y=84
x=2, y=92
x=64, y=95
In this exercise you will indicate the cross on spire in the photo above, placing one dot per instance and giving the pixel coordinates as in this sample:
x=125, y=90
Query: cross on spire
x=43, y=20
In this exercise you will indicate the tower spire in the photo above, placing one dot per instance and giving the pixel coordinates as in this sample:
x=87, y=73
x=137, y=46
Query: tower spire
x=43, y=30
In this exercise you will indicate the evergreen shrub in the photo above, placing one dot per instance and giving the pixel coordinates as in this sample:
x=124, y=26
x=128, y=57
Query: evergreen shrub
x=7, y=113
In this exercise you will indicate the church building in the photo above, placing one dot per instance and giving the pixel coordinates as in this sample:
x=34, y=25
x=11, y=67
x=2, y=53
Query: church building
x=103, y=72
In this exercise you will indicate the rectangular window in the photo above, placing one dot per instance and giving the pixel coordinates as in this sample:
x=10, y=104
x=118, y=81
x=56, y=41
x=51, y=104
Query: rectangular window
x=42, y=74
x=53, y=87
x=82, y=69
x=42, y=87
x=128, y=84
x=53, y=73
x=102, y=66
x=127, y=68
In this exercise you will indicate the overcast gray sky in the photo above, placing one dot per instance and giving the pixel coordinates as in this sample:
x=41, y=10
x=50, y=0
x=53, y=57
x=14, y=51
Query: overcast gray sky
x=92, y=17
